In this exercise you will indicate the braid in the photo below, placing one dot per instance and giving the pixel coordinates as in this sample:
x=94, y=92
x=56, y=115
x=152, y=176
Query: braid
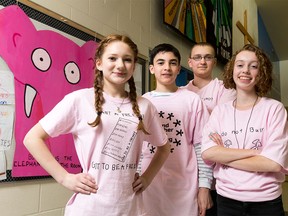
x=99, y=99
x=135, y=107
x=99, y=82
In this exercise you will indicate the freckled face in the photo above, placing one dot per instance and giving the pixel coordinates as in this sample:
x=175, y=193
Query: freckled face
x=117, y=63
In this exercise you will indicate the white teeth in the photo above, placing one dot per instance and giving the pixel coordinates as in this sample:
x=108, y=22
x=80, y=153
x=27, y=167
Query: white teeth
x=244, y=78
x=30, y=94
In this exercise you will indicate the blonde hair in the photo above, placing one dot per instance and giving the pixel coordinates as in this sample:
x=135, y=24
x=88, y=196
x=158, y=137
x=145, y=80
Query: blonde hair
x=98, y=83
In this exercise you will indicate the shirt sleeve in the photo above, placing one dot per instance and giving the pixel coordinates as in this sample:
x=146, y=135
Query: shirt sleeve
x=205, y=172
x=60, y=120
x=157, y=135
x=227, y=95
x=276, y=148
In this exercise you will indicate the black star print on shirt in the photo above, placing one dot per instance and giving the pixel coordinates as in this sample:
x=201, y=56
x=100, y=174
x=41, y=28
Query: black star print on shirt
x=172, y=127
x=161, y=114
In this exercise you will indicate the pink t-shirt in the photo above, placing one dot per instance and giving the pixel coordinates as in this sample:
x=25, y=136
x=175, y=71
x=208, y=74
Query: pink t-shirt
x=110, y=152
x=267, y=131
x=213, y=94
x=174, y=189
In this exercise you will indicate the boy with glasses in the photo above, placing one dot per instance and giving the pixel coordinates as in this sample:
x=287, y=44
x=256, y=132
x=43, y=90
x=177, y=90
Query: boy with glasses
x=202, y=62
x=212, y=92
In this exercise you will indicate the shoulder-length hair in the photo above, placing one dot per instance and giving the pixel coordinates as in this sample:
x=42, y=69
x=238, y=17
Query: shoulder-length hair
x=264, y=77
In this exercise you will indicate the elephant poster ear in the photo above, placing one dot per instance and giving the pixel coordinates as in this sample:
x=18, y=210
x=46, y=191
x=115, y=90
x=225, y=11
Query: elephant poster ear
x=87, y=60
x=14, y=25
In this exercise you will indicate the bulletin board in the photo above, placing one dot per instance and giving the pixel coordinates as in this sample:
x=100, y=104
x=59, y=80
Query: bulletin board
x=45, y=19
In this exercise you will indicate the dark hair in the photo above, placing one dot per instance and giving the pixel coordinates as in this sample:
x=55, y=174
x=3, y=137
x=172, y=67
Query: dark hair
x=203, y=44
x=98, y=83
x=264, y=77
x=164, y=47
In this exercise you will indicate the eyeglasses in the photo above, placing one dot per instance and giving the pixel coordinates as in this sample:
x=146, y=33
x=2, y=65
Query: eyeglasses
x=206, y=58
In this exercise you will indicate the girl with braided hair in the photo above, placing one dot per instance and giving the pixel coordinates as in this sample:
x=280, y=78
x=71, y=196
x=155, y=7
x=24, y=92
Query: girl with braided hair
x=108, y=125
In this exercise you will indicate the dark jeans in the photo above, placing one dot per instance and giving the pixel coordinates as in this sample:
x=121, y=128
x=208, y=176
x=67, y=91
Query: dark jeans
x=213, y=211
x=230, y=207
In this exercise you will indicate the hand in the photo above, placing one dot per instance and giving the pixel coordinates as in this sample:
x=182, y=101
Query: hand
x=204, y=201
x=216, y=138
x=80, y=183
x=139, y=184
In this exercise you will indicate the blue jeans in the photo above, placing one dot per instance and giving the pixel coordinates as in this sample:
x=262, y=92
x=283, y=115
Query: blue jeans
x=230, y=207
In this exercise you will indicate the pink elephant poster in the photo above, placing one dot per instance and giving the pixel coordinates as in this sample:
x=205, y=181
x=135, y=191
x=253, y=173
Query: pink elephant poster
x=46, y=66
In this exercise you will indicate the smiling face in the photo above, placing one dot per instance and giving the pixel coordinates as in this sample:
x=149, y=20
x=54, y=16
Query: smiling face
x=117, y=64
x=165, y=67
x=246, y=69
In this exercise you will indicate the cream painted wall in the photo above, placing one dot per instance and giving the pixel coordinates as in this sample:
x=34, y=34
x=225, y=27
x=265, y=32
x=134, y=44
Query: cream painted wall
x=33, y=198
x=239, y=6
x=142, y=21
